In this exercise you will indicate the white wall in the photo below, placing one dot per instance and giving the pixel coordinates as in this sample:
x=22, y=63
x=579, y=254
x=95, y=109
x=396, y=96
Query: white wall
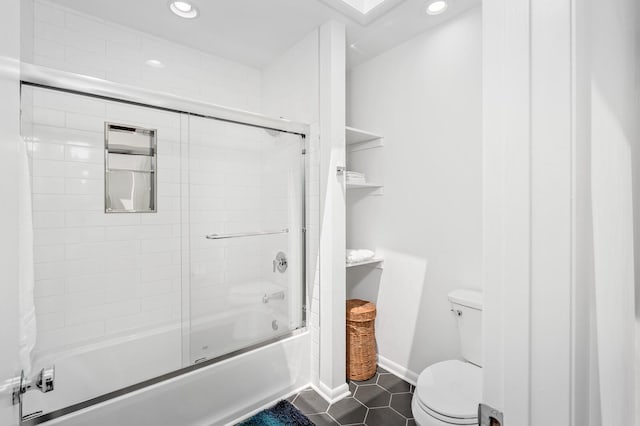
x=290, y=83
x=9, y=139
x=615, y=185
x=71, y=41
x=424, y=97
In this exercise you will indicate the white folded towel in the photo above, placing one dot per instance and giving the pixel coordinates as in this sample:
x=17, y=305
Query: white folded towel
x=355, y=177
x=359, y=255
x=356, y=181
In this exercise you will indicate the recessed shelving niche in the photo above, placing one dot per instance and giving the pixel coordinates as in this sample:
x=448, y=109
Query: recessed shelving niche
x=360, y=140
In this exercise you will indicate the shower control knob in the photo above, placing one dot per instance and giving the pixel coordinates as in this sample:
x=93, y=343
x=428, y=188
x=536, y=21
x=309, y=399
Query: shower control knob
x=280, y=263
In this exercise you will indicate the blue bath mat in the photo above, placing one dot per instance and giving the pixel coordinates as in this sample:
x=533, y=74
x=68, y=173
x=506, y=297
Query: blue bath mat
x=281, y=414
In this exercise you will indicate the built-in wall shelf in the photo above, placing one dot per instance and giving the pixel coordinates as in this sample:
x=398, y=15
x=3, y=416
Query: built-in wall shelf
x=358, y=140
x=374, y=261
x=359, y=136
x=363, y=185
x=375, y=188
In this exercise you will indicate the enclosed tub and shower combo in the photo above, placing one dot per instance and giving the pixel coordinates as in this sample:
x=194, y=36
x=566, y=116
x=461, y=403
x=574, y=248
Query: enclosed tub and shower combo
x=170, y=256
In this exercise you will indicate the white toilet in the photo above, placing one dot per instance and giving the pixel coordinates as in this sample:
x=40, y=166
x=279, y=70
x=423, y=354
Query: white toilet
x=448, y=392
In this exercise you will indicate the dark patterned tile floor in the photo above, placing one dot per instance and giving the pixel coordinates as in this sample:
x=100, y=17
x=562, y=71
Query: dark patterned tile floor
x=383, y=400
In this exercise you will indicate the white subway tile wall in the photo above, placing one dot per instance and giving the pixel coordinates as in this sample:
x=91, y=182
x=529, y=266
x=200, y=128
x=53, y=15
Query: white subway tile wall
x=98, y=275
x=71, y=41
x=244, y=179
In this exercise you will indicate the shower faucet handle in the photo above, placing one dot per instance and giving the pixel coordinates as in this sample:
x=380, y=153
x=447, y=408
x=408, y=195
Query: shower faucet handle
x=280, y=262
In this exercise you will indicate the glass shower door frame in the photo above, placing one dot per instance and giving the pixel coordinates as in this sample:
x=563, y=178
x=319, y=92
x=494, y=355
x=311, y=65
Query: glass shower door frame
x=186, y=248
x=99, y=93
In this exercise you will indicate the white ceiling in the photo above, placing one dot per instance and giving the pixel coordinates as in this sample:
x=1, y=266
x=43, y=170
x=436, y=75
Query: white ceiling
x=255, y=32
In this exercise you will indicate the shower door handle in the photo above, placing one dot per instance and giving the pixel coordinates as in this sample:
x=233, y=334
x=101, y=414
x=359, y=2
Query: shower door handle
x=245, y=234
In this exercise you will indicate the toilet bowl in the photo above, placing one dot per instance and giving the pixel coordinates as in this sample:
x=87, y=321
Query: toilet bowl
x=448, y=392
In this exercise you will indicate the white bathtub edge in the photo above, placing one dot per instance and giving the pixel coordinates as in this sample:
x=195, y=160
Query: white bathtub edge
x=127, y=406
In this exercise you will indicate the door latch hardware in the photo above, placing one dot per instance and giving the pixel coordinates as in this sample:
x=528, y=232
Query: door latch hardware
x=44, y=381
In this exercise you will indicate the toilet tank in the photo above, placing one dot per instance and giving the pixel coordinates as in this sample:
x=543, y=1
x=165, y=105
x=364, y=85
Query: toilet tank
x=466, y=305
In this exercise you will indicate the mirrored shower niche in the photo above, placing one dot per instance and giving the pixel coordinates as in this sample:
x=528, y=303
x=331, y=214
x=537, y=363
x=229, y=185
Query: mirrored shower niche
x=149, y=291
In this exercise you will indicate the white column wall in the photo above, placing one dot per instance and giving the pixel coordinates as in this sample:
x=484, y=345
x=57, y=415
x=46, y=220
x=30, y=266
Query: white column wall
x=332, y=211
x=552, y=214
x=506, y=223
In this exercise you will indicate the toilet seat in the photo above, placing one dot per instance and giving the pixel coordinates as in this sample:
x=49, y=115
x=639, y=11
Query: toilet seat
x=450, y=392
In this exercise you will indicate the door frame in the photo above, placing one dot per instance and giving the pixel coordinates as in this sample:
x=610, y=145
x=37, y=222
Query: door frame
x=9, y=143
x=529, y=148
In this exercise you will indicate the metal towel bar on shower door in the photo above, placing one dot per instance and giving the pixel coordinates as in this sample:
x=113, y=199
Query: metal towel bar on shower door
x=245, y=234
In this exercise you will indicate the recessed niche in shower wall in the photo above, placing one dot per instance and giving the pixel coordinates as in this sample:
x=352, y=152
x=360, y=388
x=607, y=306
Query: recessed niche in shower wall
x=130, y=169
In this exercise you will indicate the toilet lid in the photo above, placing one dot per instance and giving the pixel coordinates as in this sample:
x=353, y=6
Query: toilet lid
x=451, y=388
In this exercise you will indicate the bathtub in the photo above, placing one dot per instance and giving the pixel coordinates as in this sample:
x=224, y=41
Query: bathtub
x=211, y=339
x=211, y=390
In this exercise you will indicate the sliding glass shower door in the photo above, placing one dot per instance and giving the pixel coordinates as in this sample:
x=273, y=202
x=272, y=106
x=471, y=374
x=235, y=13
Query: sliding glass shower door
x=246, y=237
x=161, y=240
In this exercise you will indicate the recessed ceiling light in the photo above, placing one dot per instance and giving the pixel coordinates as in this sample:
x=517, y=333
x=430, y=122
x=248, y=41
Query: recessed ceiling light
x=183, y=9
x=154, y=63
x=437, y=7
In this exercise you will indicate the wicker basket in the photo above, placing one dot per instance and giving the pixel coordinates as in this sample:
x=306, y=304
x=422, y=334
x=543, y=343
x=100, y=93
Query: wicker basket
x=361, y=339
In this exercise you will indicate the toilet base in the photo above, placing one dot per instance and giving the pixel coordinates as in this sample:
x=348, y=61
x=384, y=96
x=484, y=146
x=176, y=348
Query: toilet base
x=423, y=418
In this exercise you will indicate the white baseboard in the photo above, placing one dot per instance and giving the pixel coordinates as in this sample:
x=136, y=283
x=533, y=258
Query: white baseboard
x=267, y=405
x=332, y=395
x=397, y=369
